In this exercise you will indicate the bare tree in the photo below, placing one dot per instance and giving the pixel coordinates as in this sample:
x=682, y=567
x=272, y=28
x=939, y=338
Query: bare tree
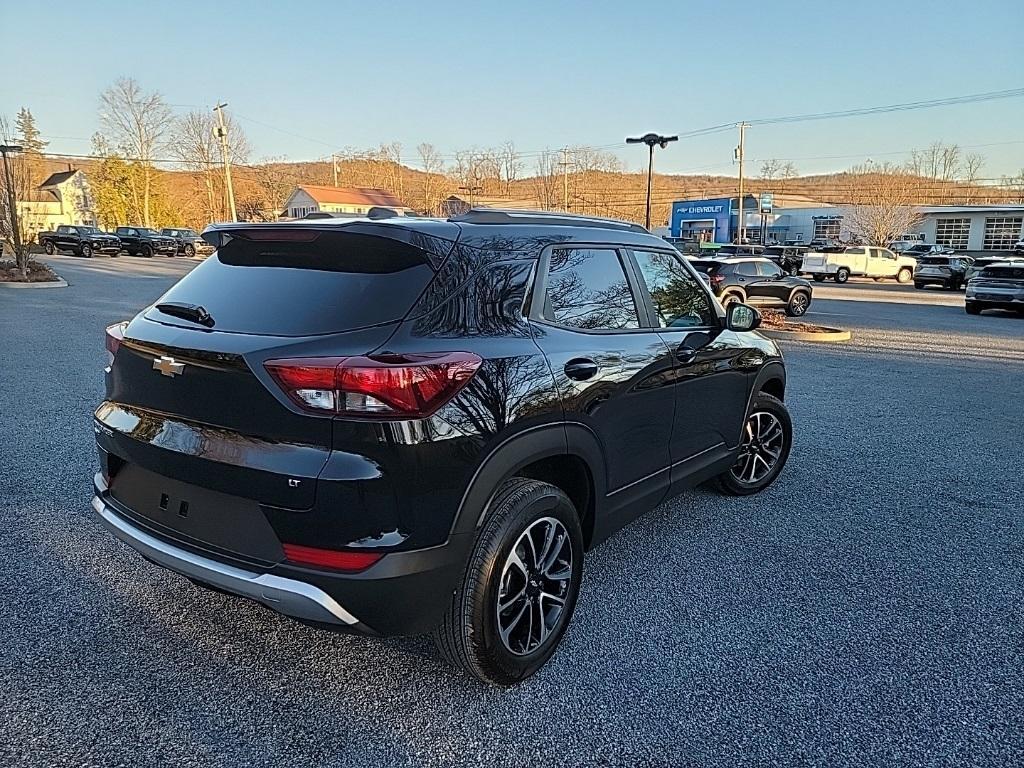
x=545, y=179
x=138, y=124
x=15, y=185
x=433, y=177
x=510, y=166
x=972, y=172
x=884, y=210
x=771, y=169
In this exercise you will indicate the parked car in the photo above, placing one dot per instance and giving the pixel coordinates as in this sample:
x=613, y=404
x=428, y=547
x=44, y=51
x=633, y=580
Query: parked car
x=789, y=257
x=80, y=240
x=188, y=241
x=413, y=425
x=143, y=241
x=862, y=260
x=1018, y=247
x=920, y=250
x=949, y=271
x=980, y=262
x=758, y=282
x=998, y=286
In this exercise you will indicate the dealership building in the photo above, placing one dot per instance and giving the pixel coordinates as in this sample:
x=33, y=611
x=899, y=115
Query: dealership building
x=973, y=228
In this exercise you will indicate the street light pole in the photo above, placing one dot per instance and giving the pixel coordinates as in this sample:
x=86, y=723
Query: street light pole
x=741, y=223
x=651, y=140
x=221, y=131
x=12, y=203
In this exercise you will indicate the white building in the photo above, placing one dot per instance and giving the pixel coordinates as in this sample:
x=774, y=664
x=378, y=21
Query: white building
x=64, y=198
x=358, y=200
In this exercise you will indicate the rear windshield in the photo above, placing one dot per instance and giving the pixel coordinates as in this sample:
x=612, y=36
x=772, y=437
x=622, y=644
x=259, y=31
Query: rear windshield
x=707, y=267
x=937, y=260
x=1006, y=273
x=335, y=282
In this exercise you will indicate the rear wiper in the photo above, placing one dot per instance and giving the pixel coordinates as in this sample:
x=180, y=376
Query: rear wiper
x=193, y=312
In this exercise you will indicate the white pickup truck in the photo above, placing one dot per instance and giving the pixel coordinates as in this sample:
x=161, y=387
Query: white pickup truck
x=860, y=260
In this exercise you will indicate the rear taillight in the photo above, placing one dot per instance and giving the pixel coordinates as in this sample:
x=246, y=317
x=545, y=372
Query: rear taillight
x=716, y=279
x=349, y=562
x=381, y=386
x=113, y=337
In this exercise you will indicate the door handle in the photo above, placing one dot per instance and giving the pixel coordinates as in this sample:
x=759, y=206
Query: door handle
x=580, y=369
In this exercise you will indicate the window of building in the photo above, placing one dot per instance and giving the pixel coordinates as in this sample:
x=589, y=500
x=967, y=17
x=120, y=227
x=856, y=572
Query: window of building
x=678, y=298
x=953, y=233
x=1001, y=232
x=587, y=288
x=828, y=229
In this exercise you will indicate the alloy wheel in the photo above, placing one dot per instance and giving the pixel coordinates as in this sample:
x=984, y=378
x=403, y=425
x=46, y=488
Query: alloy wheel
x=798, y=304
x=534, y=586
x=763, y=441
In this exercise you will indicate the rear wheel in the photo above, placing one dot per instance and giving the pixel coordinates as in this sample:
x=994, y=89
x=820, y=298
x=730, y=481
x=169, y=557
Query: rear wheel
x=819, y=278
x=842, y=275
x=48, y=247
x=905, y=275
x=190, y=250
x=731, y=298
x=764, y=448
x=147, y=251
x=798, y=304
x=507, y=617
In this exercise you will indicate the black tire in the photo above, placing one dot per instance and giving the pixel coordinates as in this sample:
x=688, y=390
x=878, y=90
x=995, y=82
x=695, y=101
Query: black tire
x=85, y=251
x=971, y=308
x=905, y=275
x=190, y=250
x=918, y=285
x=469, y=635
x=819, y=278
x=799, y=302
x=48, y=247
x=842, y=275
x=730, y=297
x=147, y=251
x=728, y=482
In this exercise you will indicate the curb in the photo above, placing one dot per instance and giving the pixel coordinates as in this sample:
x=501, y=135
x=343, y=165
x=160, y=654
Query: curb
x=827, y=334
x=60, y=283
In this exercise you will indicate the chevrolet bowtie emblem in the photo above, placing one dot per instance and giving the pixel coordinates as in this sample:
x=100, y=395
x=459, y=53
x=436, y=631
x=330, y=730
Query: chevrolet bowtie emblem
x=168, y=366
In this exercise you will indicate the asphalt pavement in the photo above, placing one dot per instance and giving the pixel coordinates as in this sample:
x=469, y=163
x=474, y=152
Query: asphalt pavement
x=865, y=610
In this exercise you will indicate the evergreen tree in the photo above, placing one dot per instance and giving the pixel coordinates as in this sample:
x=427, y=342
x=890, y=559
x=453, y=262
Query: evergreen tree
x=28, y=133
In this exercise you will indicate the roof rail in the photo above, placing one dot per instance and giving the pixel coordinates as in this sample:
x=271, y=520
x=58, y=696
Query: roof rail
x=517, y=216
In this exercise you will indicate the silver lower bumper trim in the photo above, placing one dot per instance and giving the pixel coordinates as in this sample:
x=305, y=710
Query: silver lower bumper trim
x=288, y=596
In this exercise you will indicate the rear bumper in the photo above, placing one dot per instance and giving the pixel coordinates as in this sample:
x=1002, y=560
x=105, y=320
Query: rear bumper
x=404, y=593
x=288, y=596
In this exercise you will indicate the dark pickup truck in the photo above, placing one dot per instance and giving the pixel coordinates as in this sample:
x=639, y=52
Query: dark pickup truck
x=188, y=240
x=80, y=240
x=143, y=241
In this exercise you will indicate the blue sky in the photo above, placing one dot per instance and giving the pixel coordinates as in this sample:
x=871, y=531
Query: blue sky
x=306, y=78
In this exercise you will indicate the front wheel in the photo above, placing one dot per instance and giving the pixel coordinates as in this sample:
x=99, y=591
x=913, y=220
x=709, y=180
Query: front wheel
x=518, y=594
x=190, y=250
x=147, y=251
x=972, y=309
x=842, y=275
x=919, y=286
x=818, y=278
x=798, y=304
x=905, y=275
x=764, y=448
x=86, y=251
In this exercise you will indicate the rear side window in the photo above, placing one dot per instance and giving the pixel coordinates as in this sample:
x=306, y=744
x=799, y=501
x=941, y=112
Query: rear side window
x=334, y=282
x=587, y=289
x=679, y=300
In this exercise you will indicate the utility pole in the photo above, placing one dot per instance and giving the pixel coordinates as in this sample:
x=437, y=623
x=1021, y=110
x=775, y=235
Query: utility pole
x=741, y=224
x=334, y=162
x=651, y=140
x=565, y=179
x=471, y=190
x=221, y=132
x=12, y=204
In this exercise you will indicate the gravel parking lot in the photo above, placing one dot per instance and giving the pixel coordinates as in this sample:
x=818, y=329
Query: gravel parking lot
x=866, y=610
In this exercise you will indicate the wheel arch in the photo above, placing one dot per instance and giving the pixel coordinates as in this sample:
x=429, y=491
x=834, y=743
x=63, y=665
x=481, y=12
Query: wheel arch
x=566, y=455
x=772, y=380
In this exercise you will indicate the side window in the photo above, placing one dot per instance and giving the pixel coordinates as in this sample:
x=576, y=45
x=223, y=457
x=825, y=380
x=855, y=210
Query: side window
x=746, y=269
x=767, y=269
x=587, y=288
x=678, y=298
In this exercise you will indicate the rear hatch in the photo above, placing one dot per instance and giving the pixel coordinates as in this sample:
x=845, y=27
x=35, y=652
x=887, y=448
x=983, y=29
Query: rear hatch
x=934, y=265
x=188, y=398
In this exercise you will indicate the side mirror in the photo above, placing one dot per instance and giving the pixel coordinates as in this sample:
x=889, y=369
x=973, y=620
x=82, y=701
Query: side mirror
x=740, y=317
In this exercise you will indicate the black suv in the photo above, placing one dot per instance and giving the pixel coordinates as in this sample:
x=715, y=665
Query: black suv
x=401, y=425
x=789, y=257
x=143, y=241
x=756, y=281
x=947, y=270
x=188, y=241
